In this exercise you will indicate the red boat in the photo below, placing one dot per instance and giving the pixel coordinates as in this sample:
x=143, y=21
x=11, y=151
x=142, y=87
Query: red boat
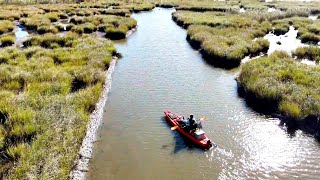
x=197, y=136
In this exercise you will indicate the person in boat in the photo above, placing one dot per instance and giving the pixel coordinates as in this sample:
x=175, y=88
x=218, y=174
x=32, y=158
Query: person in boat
x=192, y=123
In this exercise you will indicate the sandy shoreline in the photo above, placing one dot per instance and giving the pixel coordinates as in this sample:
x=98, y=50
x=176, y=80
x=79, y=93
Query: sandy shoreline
x=86, y=149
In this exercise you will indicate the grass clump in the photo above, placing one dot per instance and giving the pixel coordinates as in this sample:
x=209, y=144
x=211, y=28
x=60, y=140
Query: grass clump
x=310, y=52
x=35, y=21
x=88, y=28
x=308, y=30
x=201, y=6
x=224, y=38
x=116, y=12
x=60, y=27
x=6, y=26
x=47, y=29
x=115, y=27
x=136, y=7
x=309, y=38
x=213, y=19
x=9, y=14
x=291, y=87
x=50, y=40
x=53, y=16
x=7, y=40
x=226, y=47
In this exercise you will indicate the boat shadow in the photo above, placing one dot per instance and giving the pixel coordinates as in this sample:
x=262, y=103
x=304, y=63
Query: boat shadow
x=180, y=144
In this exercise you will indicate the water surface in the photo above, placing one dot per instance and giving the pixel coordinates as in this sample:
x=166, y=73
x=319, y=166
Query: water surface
x=287, y=42
x=159, y=70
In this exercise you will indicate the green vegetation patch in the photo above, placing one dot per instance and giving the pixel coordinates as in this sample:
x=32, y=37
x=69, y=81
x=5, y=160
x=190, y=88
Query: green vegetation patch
x=309, y=30
x=226, y=47
x=35, y=21
x=6, y=26
x=311, y=53
x=7, y=40
x=224, y=38
x=136, y=7
x=200, y=6
x=50, y=40
x=213, y=19
x=116, y=12
x=271, y=16
x=115, y=27
x=278, y=78
x=46, y=97
x=8, y=14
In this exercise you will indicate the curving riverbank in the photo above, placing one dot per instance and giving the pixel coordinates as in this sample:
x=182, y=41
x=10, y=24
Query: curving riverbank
x=85, y=152
x=96, y=117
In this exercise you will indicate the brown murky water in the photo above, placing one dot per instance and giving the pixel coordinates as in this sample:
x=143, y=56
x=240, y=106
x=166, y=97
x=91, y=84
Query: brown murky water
x=159, y=70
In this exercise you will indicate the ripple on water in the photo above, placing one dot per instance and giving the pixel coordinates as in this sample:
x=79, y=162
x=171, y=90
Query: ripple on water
x=159, y=70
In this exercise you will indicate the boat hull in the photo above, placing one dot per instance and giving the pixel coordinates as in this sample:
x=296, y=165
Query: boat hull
x=176, y=121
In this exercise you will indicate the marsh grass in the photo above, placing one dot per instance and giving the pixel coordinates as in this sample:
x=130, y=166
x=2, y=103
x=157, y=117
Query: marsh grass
x=7, y=40
x=60, y=27
x=226, y=47
x=308, y=30
x=47, y=29
x=213, y=19
x=50, y=87
x=224, y=39
x=201, y=6
x=115, y=27
x=6, y=26
x=50, y=40
x=42, y=104
x=293, y=87
x=11, y=15
x=117, y=12
x=311, y=53
x=35, y=21
x=136, y=7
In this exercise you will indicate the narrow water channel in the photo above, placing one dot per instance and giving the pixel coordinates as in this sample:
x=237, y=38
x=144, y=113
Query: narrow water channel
x=159, y=70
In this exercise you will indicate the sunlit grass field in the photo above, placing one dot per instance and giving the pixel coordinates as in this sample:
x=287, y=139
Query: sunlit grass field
x=50, y=86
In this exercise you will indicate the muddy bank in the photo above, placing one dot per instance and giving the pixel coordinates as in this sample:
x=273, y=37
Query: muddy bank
x=85, y=153
x=179, y=22
x=269, y=107
x=165, y=5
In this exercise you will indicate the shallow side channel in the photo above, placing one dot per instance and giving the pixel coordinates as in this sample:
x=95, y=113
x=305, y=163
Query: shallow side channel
x=159, y=70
